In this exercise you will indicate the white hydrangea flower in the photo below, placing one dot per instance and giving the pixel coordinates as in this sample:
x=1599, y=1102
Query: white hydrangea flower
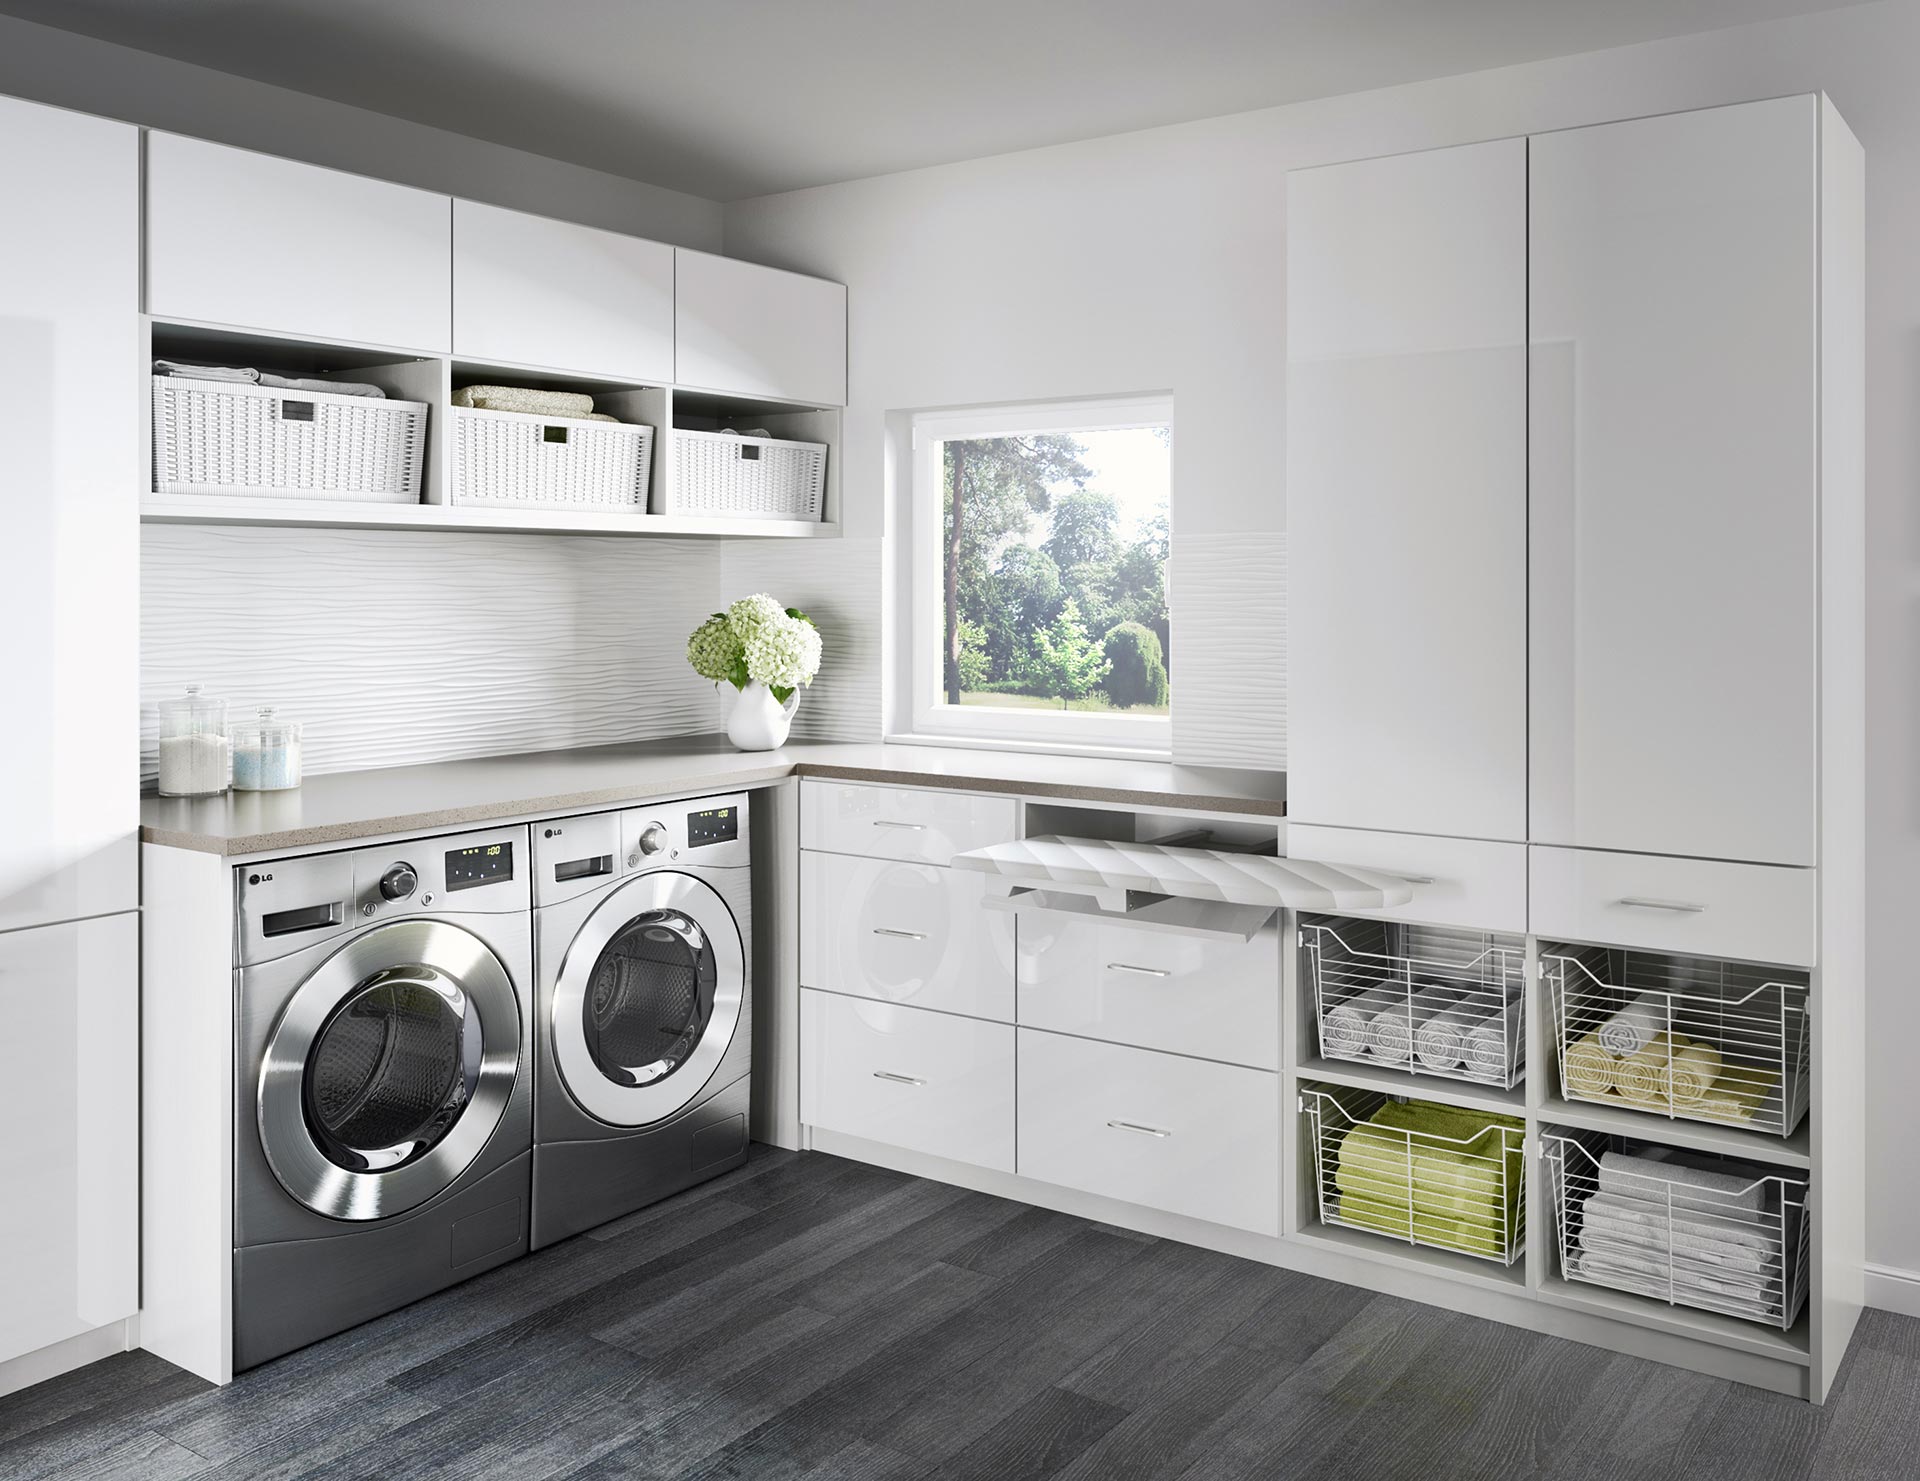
x=783, y=653
x=749, y=613
x=713, y=649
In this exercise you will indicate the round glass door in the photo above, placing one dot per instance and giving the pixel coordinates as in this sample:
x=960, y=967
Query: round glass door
x=393, y=1068
x=650, y=999
x=647, y=999
x=389, y=1068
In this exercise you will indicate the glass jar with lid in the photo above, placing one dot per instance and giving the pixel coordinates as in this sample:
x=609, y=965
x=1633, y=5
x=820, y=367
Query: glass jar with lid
x=193, y=745
x=266, y=753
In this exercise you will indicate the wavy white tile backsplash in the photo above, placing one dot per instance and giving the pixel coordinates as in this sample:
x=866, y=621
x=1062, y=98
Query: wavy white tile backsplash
x=406, y=646
x=1229, y=604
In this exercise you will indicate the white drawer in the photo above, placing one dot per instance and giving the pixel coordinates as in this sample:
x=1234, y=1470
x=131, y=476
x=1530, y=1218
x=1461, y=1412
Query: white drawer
x=930, y=1082
x=1757, y=912
x=1177, y=1134
x=921, y=826
x=1456, y=881
x=904, y=933
x=1218, y=998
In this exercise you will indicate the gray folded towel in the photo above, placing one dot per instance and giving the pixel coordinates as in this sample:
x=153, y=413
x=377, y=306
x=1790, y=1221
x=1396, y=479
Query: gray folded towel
x=238, y=374
x=331, y=388
x=1664, y=1177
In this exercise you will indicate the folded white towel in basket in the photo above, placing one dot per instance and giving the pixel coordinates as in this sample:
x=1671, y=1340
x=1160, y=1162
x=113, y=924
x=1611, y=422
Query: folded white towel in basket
x=1740, y=1240
x=1662, y=1177
x=1658, y=1278
x=1343, y=1027
x=1634, y=1026
x=330, y=388
x=1391, y=1031
x=238, y=374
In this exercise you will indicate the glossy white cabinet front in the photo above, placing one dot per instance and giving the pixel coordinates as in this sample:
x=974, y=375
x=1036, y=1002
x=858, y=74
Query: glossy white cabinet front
x=70, y=1100
x=71, y=467
x=1406, y=493
x=904, y=933
x=1674, y=491
x=1183, y=1135
x=235, y=237
x=1215, y=998
x=533, y=291
x=929, y=1082
x=926, y=825
x=757, y=331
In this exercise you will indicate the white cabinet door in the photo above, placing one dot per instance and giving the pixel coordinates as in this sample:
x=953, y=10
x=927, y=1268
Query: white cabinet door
x=904, y=933
x=240, y=238
x=757, y=331
x=1406, y=493
x=1178, y=1134
x=70, y=1100
x=930, y=1082
x=532, y=291
x=1674, y=449
x=71, y=387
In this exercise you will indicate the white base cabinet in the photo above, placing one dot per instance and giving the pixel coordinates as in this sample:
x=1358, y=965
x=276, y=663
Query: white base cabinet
x=70, y=1098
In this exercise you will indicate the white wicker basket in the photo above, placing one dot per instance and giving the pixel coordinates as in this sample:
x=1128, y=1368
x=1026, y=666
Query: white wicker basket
x=515, y=460
x=721, y=473
x=217, y=437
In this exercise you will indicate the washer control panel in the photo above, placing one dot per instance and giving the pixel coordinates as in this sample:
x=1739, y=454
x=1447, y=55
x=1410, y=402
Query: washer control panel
x=572, y=856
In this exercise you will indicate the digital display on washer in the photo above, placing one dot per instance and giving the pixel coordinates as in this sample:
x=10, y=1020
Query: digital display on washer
x=715, y=825
x=484, y=863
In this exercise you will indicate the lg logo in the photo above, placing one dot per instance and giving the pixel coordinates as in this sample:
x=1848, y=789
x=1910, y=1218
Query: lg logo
x=258, y=878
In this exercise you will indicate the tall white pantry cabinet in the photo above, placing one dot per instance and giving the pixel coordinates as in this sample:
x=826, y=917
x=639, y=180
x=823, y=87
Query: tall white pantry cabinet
x=69, y=749
x=1575, y=492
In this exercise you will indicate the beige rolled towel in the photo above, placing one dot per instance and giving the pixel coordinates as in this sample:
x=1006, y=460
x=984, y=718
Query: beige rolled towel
x=1694, y=1069
x=1641, y=1078
x=1587, y=1069
x=523, y=399
x=1738, y=1094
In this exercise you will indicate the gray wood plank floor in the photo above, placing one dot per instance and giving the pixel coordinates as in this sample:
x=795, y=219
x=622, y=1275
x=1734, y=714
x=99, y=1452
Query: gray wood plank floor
x=808, y=1316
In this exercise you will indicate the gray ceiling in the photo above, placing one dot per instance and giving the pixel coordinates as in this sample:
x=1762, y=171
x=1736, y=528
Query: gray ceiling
x=733, y=98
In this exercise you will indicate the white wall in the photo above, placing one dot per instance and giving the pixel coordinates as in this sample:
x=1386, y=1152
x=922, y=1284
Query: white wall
x=1157, y=259
x=53, y=66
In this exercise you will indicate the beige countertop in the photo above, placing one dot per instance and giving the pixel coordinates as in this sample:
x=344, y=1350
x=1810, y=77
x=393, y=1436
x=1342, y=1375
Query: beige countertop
x=345, y=806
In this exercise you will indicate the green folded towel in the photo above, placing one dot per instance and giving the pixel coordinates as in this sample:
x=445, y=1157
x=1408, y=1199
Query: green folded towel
x=1438, y=1233
x=1451, y=1177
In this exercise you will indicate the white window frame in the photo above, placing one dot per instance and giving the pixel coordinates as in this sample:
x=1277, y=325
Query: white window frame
x=1145, y=736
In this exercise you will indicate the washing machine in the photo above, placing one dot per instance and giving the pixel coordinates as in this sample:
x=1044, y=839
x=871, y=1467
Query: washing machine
x=383, y=1102
x=644, y=1015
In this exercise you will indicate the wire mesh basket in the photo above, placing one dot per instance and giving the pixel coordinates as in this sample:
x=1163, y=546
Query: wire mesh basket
x=1684, y=1228
x=723, y=473
x=1686, y=1038
x=1429, y=1000
x=517, y=460
x=1419, y=1172
x=219, y=437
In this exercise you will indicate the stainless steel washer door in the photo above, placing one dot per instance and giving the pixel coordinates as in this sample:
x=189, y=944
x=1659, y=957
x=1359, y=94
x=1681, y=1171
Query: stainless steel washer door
x=389, y=1069
x=648, y=999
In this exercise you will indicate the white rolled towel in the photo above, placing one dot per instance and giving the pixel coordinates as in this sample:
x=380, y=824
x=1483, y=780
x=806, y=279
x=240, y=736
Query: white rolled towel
x=1343, y=1027
x=1441, y=1042
x=1634, y=1026
x=1496, y=1044
x=1391, y=1032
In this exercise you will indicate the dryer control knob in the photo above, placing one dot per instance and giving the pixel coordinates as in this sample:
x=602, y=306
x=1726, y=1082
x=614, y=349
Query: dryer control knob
x=398, y=882
x=653, y=840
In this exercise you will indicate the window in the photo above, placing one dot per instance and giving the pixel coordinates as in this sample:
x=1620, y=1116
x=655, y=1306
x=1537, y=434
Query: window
x=1039, y=574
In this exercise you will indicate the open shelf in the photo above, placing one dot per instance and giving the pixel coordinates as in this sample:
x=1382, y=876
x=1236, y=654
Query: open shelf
x=212, y=510
x=1700, y=1136
x=1474, y=1097
x=1682, y=1321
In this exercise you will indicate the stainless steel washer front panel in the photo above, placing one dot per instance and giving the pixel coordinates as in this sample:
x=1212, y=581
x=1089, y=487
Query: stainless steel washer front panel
x=463, y=966
x=645, y=1104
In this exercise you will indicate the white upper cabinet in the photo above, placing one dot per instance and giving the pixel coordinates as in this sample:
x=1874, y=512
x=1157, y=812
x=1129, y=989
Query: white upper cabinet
x=71, y=467
x=1674, y=483
x=1406, y=492
x=246, y=239
x=532, y=291
x=757, y=331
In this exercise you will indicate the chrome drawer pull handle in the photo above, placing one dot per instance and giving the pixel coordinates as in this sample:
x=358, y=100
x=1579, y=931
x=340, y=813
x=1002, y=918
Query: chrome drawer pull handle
x=897, y=1079
x=1417, y=878
x=1138, y=971
x=1682, y=906
x=1159, y=1131
x=903, y=935
x=889, y=823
